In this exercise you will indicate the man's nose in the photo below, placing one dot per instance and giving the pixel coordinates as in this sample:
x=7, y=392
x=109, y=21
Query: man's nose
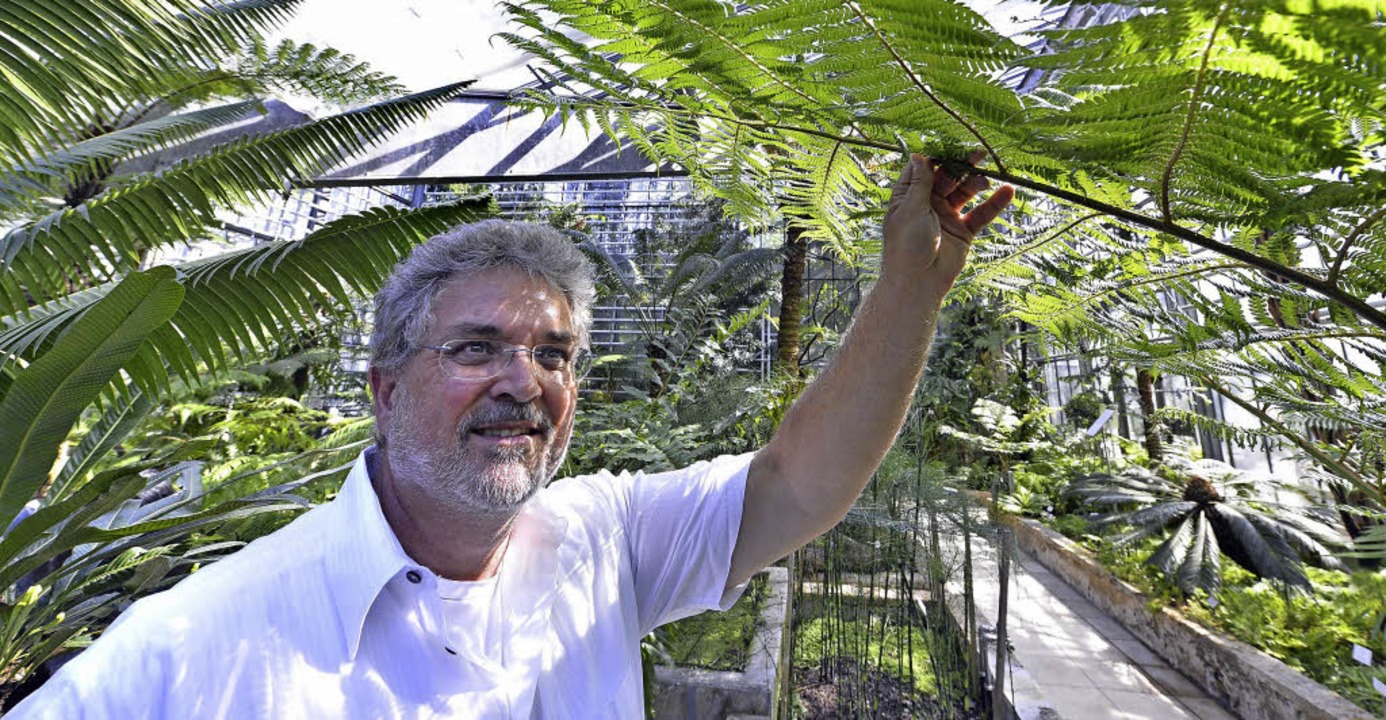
x=518, y=379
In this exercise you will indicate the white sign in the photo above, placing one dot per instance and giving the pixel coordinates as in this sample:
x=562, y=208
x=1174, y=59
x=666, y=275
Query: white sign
x=1380, y=686
x=1361, y=654
x=1101, y=420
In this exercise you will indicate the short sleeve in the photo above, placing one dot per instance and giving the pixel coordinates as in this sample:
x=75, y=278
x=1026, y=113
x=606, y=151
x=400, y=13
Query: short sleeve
x=682, y=528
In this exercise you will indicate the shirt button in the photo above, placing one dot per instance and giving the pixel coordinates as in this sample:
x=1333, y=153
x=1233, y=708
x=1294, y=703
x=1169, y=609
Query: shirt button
x=414, y=576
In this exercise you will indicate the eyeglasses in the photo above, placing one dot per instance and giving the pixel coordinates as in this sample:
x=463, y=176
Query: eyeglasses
x=480, y=359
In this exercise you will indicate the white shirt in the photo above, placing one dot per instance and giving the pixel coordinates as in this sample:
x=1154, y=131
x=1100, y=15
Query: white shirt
x=472, y=618
x=329, y=618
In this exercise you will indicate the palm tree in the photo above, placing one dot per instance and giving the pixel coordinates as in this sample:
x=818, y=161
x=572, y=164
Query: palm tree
x=1210, y=511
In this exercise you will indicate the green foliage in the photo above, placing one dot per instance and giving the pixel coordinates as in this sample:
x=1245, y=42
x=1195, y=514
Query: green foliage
x=998, y=425
x=1083, y=408
x=72, y=565
x=675, y=394
x=1201, y=184
x=1041, y=482
x=725, y=413
x=823, y=637
x=1312, y=633
x=695, y=292
x=46, y=397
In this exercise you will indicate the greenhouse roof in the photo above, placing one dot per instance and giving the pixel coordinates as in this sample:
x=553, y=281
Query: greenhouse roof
x=430, y=43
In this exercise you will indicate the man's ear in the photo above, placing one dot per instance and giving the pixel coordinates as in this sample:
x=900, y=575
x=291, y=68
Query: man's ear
x=382, y=394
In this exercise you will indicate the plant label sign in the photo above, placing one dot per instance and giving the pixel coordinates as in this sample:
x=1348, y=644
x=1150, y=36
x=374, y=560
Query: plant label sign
x=1361, y=654
x=1101, y=420
x=1380, y=686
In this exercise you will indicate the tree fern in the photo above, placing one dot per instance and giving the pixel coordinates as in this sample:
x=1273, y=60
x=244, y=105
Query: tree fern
x=1201, y=188
x=870, y=59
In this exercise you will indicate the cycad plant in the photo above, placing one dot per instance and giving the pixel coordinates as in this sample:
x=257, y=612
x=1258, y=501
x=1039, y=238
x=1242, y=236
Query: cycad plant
x=1202, y=182
x=1210, y=510
x=121, y=137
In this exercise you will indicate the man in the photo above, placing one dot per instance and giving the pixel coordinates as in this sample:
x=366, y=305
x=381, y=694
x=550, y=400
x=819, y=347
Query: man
x=443, y=581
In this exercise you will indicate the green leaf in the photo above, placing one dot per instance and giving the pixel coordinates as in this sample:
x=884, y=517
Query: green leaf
x=103, y=494
x=117, y=420
x=49, y=395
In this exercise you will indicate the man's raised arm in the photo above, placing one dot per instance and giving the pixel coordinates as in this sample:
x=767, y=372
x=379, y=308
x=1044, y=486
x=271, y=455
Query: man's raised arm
x=807, y=477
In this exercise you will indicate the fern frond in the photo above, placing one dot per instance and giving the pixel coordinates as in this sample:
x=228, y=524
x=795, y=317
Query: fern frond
x=46, y=177
x=70, y=64
x=323, y=73
x=106, y=235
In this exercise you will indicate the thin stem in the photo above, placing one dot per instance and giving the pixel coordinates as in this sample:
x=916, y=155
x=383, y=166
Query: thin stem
x=909, y=73
x=1328, y=290
x=1339, y=468
x=1189, y=117
x=1357, y=232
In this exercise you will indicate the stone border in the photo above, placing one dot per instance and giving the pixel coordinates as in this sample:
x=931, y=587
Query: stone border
x=683, y=693
x=1255, y=685
x=1023, y=698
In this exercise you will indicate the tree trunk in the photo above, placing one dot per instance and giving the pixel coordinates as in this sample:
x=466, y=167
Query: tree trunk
x=1118, y=380
x=791, y=301
x=1145, y=384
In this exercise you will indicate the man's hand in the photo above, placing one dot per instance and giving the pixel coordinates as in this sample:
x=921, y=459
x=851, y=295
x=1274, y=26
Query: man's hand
x=927, y=237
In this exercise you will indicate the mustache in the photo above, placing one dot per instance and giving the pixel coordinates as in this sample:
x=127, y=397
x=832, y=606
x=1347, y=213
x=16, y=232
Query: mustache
x=506, y=412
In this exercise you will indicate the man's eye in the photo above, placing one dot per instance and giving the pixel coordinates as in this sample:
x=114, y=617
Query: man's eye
x=552, y=355
x=464, y=350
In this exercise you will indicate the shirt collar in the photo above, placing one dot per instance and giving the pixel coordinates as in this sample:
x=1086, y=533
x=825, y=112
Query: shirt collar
x=363, y=554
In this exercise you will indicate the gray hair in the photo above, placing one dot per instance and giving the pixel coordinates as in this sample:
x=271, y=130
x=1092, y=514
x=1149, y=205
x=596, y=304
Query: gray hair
x=404, y=305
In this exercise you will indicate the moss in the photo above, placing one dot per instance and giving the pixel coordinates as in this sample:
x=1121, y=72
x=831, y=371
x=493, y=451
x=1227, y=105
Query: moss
x=718, y=641
x=868, y=640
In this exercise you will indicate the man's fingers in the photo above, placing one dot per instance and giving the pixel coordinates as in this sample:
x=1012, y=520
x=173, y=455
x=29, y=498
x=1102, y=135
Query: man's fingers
x=921, y=179
x=945, y=185
x=902, y=185
x=983, y=214
x=967, y=189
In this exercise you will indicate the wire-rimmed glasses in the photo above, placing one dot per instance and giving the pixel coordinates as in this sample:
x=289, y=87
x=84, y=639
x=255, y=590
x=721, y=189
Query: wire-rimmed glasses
x=477, y=359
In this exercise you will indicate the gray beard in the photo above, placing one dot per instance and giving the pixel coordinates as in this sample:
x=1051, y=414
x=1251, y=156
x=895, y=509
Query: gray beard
x=463, y=477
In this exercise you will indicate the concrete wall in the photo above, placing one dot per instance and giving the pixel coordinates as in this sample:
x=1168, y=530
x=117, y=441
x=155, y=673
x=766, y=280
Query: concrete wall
x=696, y=694
x=1255, y=685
